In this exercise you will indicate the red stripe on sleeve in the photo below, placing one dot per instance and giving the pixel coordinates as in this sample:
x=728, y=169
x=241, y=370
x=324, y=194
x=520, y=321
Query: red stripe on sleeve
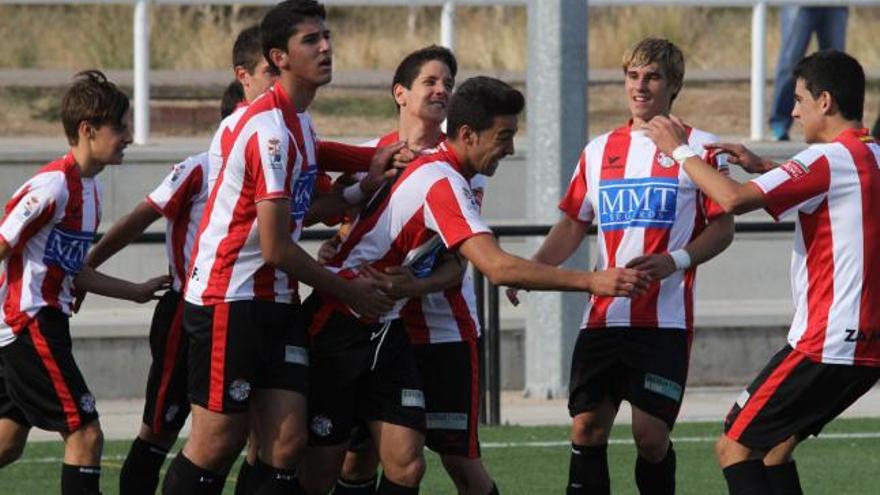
x=795, y=191
x=447, y=212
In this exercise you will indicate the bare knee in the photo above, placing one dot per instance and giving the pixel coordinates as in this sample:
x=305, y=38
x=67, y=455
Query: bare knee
x=652, y=444
x=10, y=452
x=164, y=439
x=360, y=465
x=406, y=471
x=586, y=430
x=284, y=451
x=468, y=475
x=90, y=438
x=729, y=452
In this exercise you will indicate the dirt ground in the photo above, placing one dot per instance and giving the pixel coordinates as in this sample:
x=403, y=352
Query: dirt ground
x=720, y=108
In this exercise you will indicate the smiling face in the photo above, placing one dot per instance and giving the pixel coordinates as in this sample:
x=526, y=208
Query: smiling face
x=428, y=95
x=649, y=92
x=487, y=147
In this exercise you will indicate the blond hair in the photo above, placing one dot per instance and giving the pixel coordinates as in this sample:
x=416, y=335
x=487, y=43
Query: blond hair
x=662, y=52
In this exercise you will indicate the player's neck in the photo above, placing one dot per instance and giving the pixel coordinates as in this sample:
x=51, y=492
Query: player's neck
x=639, y=123
x=835, y=126
x=466, y=168
x=418, y=133
x=300, y=92
x=88, y=166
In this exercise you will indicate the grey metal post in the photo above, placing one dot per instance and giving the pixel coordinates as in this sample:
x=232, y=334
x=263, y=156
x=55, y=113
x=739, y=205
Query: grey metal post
x=142, y=71
x=557, y=129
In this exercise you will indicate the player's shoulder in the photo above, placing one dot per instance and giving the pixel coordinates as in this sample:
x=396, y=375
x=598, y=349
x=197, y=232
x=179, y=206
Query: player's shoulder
x=701, y=138
x=55, y=175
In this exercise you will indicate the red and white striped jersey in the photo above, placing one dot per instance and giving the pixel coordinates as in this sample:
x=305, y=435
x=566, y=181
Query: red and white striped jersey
x=430, y=206
x=180, y=198
x=832, y=191
x=49, y=224
x=270, y=154
x=645, y=203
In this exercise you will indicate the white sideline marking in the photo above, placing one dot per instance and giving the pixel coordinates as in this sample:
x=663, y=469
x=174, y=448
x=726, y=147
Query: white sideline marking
x=555, y=443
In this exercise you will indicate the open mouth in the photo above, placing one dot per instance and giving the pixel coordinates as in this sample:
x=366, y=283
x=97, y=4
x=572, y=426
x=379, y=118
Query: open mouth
x=325, y=64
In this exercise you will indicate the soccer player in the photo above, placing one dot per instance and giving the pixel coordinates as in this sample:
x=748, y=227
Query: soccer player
x=180, y=198
x=442, y=325
x=44, y=235
x=363, y=369
x=832, y=191
x=247, y=340
x=651, y=216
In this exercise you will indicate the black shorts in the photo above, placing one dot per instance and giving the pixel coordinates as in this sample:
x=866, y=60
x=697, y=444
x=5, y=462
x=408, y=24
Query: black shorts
x=244, y=345
x=360, y=372
x=8, y=409
x=42, y=379
x=794, y=395
x=648, y=367
x=451, y=380
x=167, y=402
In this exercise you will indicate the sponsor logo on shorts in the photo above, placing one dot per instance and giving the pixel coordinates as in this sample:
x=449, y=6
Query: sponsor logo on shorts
x=239, y=390
x=446, y=421
x=171, y=412
x=410, y=397
x=296, y=355
x=643, y=202
x=321, y=426
x=663, y=386
x=87, y=403
x=742, y=399
x=795, y=169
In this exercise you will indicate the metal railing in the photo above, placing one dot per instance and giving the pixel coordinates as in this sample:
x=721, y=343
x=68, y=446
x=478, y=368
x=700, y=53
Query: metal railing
x=489, y=295
x=758, y=76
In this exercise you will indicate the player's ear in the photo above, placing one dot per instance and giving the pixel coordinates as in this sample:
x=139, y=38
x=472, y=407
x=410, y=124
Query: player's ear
x=467, y=135
x=85, y=130
x=240, y=74
x=279, y=57
x=399, y=92
x=826, y=102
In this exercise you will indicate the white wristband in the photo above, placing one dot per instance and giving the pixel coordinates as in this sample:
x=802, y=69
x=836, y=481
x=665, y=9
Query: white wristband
x=353, y=194
x=682, y=153
x=681, y=258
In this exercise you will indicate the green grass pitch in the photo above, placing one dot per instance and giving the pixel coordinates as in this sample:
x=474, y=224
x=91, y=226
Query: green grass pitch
x=534, y=460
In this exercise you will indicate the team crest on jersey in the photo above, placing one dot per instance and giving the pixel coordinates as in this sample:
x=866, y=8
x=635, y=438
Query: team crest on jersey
x=795, y=169
x=665, y=161
x=644, y=202
x=176, y=170
x=239, y=390
x=31, y=204
x=87, y=403
x=273, y=149
x=67, y=249
x=472, y=200
x=321, y=426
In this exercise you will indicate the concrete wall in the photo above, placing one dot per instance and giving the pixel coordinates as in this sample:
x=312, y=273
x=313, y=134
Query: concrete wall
x=743, y=298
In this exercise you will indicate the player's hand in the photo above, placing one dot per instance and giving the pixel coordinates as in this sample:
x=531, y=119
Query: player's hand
x=151, y=289
x=401, y=281
x=78, y=297
x=656, y=266
x=667, y=133
x=738, y=154
x=328, y=250
x=381, y=167
x=368, y=297
x=619, y=282
x=512, y=295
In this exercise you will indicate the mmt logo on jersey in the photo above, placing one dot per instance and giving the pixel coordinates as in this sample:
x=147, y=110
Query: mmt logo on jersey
x=644, y=202
x=302, y=193
x=67, y=249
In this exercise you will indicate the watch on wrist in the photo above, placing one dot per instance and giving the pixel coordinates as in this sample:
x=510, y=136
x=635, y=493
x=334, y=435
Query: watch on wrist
x=682, y=153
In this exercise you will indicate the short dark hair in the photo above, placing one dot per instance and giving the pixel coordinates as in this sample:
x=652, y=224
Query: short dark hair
x=280, y=23
x=232, y=96
x=840, y=75
x=409, y=68
x=478, y=101
x=247, y=51
x=94, y=99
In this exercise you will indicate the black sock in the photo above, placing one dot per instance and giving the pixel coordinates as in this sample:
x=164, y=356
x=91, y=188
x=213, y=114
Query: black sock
x=242, y=480
x=362, y=487
x=80, y=480
x=656, y=478
x=140, y=471
x=265, y=479
x=784, y=479
x=388, y=487
x=494, y=490
x=185, y=478
x=747, y=478
x=588, y=470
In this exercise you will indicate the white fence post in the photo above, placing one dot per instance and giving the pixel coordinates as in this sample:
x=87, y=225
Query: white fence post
x=759, y=69
x=447, y=25
x=142, y=72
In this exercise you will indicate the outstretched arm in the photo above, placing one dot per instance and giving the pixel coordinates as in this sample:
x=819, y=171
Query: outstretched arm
x=91, y=280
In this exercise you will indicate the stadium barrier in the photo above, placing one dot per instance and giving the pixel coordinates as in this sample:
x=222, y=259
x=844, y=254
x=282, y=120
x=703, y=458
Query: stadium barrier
x=488, y=303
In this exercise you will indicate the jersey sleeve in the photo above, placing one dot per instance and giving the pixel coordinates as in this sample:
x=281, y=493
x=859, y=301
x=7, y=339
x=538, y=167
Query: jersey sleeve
x=32, y=208
x=347, y=158
x=798, y=185
x=451, y=210
x=178, y=187
x=575, y=203
x=719, y=161
x=268, y=163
